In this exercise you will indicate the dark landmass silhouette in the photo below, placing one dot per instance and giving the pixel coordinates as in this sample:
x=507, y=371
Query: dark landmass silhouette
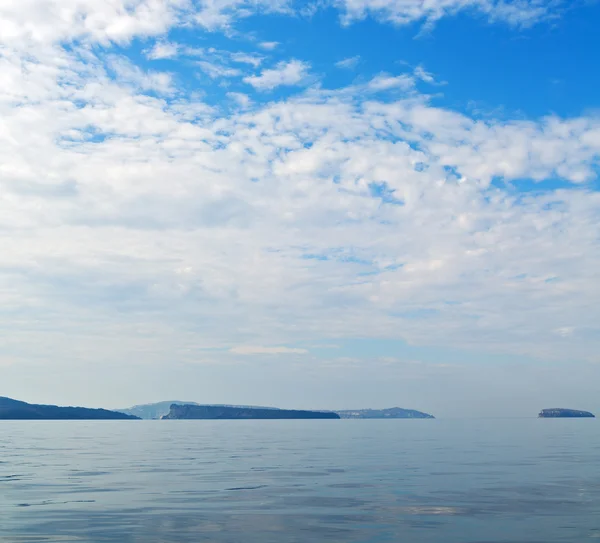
x=560, y=413
x=151, y=411
x=16, y=410
x=160, y=409
x=391, y=413
x=211, y=412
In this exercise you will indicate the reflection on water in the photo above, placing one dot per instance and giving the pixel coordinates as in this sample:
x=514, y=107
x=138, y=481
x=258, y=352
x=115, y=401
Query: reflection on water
x=400, y=481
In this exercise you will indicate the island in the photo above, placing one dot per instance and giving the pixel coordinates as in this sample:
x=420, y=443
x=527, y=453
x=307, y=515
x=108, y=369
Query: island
x=16, y=410
x=560, y=413
x=183, y=410
x=212, y=412
x=391, y=413
x=156, y=411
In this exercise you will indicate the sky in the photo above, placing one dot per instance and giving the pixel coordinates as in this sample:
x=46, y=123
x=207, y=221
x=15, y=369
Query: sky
x=322, y=204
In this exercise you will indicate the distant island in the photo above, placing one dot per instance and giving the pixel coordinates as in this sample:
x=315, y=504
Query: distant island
x=155, y=411
x=559, y=413
x=16, y=410
x=211, y=412
x=391, y=413
x=163, y=410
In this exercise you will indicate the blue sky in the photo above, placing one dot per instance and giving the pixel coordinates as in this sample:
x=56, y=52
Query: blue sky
x=323, y=204
x=490, y=69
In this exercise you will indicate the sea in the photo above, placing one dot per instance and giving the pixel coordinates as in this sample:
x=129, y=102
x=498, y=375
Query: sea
x=258, y=481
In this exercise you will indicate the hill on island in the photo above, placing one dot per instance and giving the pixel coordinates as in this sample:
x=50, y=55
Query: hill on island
x=560, y=413
x=391, y=413
x=161, y=409
x=151, y=411
x=211, y=412
x=16, y=410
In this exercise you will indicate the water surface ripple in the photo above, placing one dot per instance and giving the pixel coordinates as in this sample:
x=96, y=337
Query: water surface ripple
x=400, y=481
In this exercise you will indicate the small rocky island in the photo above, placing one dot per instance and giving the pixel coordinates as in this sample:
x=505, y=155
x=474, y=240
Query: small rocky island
x=16, y=410
x=391, y=413
x=212, y=412
x=559, y=413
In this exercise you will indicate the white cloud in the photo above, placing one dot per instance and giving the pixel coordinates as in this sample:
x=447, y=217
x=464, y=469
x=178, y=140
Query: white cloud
x=385, y=82
x=127, y=72
x=348, y=63
x=289, y=73
x=119, y=21
x=266, y=350
x=268, y=45
x=402, y=12
x=162, y=49
x=215, y=14
x=423, y=75
x=246, y=58
x=215, y=71
x=194, y=51
x=240, y=98
x=48, y=21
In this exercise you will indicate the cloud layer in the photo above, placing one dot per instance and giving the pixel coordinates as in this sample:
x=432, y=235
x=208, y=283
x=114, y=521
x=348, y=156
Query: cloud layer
x=104, y=21
x=249, y=349
x=141, y=218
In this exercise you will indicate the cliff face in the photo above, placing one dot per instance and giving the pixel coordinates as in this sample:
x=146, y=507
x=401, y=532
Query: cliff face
x=160, y=409
x=391, y=413
x=15, y=410
x=180, y=412
x=557, y=413
x=152, y=410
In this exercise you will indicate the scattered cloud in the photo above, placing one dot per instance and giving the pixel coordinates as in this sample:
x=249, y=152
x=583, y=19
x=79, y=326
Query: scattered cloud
x=385, y=82
x=348, y=63
x=162, y=50
x=266, y=350
x=195, y=51
x=126, y=72
x=215, y=70
x=247, y=58
x=269, y=45
x=221, y=14
x=423, y=75
x=119, y=21
x=285, y=73
x=402, y=12
x=243, y=100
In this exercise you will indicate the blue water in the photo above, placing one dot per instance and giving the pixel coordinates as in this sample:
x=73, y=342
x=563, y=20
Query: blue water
x=401, y=481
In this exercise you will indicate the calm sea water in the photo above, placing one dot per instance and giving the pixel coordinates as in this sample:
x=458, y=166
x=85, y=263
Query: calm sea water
x=401, y=481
